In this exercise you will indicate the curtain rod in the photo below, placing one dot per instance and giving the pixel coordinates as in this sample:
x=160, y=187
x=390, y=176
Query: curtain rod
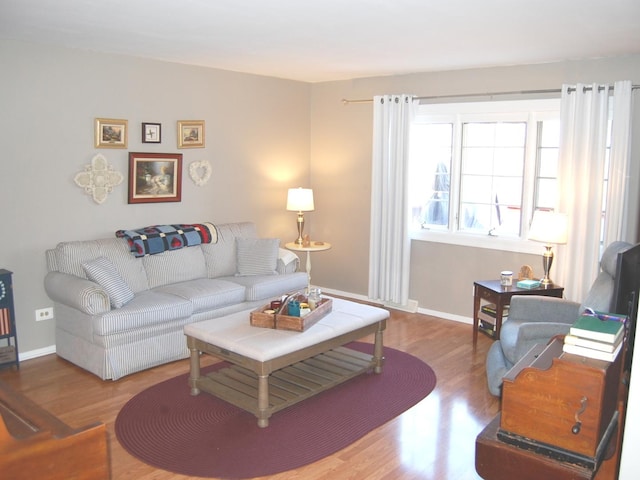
x=485, y=94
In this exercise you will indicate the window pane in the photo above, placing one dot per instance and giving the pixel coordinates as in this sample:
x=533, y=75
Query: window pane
x=550, y=133
x=476, y=188
x=492, y=177
x=510, y=134
x=508, y=191
x=546, y=194
x=479, y=134
x=547, y=165
x=548, y=162
x=509, y=162
x=431, y=150
x=477, y=161
x=475, y=217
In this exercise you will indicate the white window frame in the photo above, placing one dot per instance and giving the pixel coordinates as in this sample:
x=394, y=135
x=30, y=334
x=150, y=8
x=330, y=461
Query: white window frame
x=531, y=111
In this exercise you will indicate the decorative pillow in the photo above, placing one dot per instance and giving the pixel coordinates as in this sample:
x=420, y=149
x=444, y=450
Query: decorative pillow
x=257, y=256
x=104, y=273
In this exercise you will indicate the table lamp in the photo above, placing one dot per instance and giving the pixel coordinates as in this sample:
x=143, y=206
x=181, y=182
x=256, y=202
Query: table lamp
x=548, y=228
x=300, y=200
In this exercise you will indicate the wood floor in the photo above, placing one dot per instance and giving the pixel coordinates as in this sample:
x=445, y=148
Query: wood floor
x=433, y=440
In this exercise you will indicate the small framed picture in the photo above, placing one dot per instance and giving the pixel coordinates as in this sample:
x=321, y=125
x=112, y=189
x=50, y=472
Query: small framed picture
x=190, y=133
x=111, y=133
x=151, y=133
x=155, y=177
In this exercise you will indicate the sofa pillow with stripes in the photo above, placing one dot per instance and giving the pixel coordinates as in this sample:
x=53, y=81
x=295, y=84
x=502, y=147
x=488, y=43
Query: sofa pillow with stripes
x=104, y=273
x=257, y=256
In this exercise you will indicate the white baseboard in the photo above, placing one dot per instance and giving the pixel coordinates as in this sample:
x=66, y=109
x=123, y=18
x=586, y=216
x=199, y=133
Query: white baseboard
x=446, y=316
x=412, y=307
x=40, y=352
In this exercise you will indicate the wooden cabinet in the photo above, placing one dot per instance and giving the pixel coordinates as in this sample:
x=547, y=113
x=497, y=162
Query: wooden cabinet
x=8, y=336
x=561, y=404
x=561, y=414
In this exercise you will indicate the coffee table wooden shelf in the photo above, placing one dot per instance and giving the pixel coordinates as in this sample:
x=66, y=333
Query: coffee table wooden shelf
x=290, y=385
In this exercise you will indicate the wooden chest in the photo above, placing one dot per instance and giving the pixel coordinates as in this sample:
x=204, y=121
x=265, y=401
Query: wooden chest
x=560, y=404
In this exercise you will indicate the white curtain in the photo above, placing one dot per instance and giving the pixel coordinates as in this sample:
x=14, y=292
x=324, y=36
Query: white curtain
x=619, y=159
x=584, y=114
x=389, y=237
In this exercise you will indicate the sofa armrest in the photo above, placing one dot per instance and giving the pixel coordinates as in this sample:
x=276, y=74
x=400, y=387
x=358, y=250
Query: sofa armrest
x=76, y=292
x=288, y=262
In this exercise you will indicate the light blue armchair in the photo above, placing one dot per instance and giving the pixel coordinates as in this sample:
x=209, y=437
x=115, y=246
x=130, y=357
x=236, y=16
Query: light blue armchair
x=536, y=319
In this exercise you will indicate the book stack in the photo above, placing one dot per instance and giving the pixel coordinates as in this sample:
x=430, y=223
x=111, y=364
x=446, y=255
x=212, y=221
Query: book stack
x=487, y=318
x=596, y=335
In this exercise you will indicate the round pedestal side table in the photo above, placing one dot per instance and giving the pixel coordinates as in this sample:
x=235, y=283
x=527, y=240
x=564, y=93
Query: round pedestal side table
x=314, y=246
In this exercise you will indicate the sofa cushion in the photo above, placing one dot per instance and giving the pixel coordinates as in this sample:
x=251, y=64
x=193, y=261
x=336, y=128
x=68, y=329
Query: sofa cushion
x=175, y=266
x=206, y=293
x=146, y=308
x=221, y=256
x=257, y=256
x=68, y=257
x=104, y=273
x=71, y=255
x=261, y=287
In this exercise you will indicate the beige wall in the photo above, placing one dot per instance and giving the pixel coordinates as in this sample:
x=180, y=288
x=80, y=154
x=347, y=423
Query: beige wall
x=257, y=140
x=441, y=275
x=263, y=135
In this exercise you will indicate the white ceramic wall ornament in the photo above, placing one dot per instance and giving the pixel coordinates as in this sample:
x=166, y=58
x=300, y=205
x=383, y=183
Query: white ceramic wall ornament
x=200, y=172
x=98, y=178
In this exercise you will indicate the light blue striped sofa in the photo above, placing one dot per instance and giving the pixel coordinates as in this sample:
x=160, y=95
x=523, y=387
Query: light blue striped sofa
x=113, y=333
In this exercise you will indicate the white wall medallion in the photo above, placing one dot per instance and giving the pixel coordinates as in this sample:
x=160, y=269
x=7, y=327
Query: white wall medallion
x=98, y=178
x=200, y=172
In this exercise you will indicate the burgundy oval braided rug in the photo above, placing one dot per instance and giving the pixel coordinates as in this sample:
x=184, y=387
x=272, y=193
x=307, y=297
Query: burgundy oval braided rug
x=166, y=427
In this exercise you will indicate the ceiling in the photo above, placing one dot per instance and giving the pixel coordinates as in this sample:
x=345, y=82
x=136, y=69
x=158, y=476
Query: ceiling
x=324, y=40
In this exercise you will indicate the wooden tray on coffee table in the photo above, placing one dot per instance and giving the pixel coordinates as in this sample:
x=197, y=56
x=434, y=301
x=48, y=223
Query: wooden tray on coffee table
x=280, y=321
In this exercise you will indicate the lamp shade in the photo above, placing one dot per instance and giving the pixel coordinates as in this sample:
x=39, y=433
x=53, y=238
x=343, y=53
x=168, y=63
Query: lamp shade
x=300, y=200
x=549, y=227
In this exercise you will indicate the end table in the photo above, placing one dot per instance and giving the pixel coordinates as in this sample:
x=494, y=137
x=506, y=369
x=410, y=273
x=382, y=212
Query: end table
x=312, y=247
x=493, y=292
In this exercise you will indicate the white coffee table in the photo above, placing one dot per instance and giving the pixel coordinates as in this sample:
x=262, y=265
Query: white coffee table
x=274, y=369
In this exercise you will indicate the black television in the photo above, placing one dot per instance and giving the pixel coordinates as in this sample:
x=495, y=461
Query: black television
x=626, y=291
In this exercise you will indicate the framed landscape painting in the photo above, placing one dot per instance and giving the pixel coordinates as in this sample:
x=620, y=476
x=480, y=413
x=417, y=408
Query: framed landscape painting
x=111, y=133
x=155, y=177
x=190, y=133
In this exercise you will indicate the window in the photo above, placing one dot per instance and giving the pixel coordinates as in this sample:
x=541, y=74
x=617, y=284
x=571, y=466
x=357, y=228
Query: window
x=478, y=170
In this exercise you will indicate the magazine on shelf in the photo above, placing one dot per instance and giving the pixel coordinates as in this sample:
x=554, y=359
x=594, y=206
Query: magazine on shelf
x=490, y=309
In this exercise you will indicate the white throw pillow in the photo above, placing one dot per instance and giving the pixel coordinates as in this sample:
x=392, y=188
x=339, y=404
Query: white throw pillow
x=257, y=256
x=104, y=273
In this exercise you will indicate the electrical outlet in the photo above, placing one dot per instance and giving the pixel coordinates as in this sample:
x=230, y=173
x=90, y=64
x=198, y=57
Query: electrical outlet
x=44, y=314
